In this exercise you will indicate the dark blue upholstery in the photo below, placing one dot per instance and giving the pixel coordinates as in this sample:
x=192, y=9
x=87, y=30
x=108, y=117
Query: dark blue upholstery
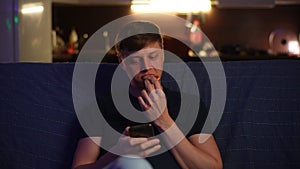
x=260, y=127
x=36, y=116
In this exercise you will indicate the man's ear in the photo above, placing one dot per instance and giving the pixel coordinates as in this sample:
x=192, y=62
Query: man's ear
x=121, y=63
x=119, y=59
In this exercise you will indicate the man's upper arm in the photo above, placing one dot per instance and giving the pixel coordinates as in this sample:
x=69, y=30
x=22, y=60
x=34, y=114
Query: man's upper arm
x=87, y=151
x=207, y=144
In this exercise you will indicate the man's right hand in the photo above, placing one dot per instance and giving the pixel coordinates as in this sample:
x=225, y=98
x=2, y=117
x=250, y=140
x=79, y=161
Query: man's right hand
x=142, y=147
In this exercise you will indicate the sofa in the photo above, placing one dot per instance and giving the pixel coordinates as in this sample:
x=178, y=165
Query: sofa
x=259, y=127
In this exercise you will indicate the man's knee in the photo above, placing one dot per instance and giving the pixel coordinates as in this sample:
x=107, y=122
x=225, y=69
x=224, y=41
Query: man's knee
x=130, y=162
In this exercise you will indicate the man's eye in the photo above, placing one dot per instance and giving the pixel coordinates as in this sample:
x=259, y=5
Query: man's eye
x=153, y=56
x=133, y=61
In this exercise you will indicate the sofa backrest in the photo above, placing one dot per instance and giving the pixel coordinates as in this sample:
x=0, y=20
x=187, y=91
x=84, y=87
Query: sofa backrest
x=260, y=126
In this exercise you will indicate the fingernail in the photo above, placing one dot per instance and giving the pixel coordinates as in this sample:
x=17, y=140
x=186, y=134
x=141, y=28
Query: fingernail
x=157, y=140
x=152, y=79
x=158, y=146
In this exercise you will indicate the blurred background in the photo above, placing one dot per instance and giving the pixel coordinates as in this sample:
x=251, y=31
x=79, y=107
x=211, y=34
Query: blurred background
x=56, y=30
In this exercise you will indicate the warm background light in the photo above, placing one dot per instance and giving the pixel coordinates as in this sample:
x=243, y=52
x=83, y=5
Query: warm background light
x=171, y=6
x=32, y=8
x=293, y=47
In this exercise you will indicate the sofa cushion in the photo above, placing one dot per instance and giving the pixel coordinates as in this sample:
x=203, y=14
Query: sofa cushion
x=260, y=126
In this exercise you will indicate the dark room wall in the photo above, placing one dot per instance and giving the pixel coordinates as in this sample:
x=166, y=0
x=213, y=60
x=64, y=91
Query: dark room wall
x=249, y=28
x=86, y=19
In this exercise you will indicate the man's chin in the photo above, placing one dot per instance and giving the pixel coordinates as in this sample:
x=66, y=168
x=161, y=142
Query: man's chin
x=139, y=84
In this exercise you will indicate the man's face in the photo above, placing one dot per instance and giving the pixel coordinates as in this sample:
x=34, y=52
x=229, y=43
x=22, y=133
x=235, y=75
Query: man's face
x=146, y=62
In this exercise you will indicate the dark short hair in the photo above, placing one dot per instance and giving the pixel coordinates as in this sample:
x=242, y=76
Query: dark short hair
x=136, y=35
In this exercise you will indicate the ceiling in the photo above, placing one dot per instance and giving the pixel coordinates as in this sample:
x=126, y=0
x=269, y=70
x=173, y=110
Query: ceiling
x=287, y=2
x=94, y=2
x=127, y=2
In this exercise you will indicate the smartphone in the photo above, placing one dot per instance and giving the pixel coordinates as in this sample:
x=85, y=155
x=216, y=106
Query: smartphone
x=141, y=130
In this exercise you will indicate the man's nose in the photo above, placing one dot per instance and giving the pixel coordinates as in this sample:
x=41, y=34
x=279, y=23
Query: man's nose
x=146, y=65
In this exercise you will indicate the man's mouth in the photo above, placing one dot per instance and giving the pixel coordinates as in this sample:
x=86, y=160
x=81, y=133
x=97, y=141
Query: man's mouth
x=151, y=78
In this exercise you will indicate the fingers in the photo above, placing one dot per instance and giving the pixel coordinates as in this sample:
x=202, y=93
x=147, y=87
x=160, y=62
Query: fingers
x=157, y=85
x=146, y=148
x=148, y=144
x=148, y=85
x=151, y=83
x=139, y=146
x=152, y=92
x=131, y=141
x=143, y=104
x=151, y=78
x=146, y=98
x=152, y=88
x=137, y=141
x=149, y=151
x=126, y=131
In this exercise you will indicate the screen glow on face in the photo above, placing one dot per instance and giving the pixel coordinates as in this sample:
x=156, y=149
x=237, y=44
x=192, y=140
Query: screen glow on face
x=145, y=56
x=148, y=60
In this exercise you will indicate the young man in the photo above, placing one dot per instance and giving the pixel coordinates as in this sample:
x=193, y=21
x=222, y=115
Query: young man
x=141, y=56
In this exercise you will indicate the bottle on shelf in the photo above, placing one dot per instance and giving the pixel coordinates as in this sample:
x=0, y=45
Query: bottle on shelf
x=73, y=42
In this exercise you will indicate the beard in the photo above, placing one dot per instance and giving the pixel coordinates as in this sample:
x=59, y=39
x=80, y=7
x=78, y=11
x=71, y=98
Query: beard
x=139, y=81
